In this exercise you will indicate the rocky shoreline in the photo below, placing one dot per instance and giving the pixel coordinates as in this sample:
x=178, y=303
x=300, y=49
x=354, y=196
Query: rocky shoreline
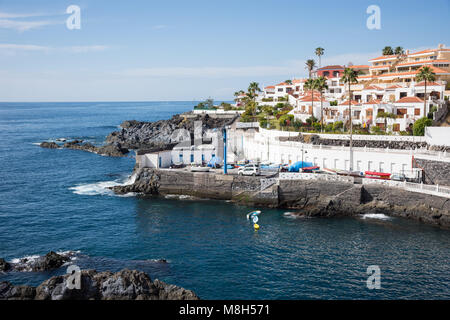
x=111, y=150
x=123, y=285
x=311, y=198
x=147, y=135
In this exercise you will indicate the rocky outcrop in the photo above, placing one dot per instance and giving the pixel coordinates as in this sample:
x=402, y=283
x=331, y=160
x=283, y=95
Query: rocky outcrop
x=111, y=150
x=50, y=261
x=49, y=145
x=123, y=285
x=4, y=265
x=148, y=135
x=312, y=198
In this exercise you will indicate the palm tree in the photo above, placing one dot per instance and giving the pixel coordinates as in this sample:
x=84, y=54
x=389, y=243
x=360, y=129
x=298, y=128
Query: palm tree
x=311, y=84
x=399, y=51
x=319, y=53
x=350, y=76
x=310, y=64
x=386, y=115
x=321, y=85
x=288, y=81
x=425, y=74
x=253, y=90
x=387, y=51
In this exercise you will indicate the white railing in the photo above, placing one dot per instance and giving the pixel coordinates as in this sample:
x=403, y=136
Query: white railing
x=200, y=111
x=435, y=190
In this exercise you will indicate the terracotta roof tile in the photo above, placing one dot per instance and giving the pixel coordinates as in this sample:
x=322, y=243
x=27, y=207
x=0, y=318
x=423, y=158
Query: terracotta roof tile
x=409, y=100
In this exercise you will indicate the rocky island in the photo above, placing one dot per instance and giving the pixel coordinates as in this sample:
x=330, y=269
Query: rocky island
x=123, y=285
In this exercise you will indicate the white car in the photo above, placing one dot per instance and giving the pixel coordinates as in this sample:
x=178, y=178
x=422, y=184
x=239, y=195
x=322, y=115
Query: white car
x=249, y=170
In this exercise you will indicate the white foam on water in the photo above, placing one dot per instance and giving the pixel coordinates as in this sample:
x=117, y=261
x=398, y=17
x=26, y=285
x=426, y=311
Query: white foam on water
x=27, y=258
x=178, y=196
x=102, y=187
x=380, y=216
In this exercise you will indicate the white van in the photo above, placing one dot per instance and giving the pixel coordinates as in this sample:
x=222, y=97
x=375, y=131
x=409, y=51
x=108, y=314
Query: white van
x=249, y=170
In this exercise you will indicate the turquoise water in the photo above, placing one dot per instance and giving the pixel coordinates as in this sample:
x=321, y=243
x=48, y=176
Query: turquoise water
x=55, y=200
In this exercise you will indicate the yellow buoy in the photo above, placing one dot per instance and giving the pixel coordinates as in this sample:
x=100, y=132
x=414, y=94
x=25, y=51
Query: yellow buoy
x=256, y=226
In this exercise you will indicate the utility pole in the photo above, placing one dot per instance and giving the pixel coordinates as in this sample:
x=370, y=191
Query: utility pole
x=351, y=127
x=224, y=132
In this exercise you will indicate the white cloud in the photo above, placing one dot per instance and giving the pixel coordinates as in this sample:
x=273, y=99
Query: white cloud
x=5, y=15
x=12, y=49
x=159, y=26
x=24, y=25
x=84, y=49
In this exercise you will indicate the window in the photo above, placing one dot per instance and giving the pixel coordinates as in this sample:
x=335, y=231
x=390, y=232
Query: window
x=326, y=73
x=417, y=111
x=401, y=111
x=180, y=157
x=280, y=89
x=396, y=127
x=192, y=157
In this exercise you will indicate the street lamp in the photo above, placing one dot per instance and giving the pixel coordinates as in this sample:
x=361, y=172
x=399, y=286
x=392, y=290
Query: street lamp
x=302, y=156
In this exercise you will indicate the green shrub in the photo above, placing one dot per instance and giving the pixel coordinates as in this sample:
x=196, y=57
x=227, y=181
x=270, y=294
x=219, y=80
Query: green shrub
x=419, y=126
x=286, y=119
x=338, y=125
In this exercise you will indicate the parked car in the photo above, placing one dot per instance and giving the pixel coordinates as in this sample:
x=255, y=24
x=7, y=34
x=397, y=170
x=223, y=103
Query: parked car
x=249, y=170
x=398, y=177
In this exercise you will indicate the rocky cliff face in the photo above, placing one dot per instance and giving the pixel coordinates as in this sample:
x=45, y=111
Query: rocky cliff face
x=122, y=285
x=147, y=135
x=436, y=172
x=306, y=197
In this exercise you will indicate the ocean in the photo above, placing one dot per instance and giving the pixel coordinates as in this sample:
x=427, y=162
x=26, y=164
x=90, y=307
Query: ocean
x=56, y=200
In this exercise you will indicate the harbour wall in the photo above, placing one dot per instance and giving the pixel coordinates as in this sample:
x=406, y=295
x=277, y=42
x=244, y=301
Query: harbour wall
x=313, y=198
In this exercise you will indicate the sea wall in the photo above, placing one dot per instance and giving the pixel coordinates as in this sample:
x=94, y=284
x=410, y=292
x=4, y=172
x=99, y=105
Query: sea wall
x=436, y=172
x=307, y=197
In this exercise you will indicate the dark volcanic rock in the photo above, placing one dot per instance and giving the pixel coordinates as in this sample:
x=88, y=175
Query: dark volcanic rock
x=147, y=135
x=115, y=150
x=11, y=292
x=122, y=285
x=4, y=266
x=50, y=261
x=112, y=150
x=49, y=145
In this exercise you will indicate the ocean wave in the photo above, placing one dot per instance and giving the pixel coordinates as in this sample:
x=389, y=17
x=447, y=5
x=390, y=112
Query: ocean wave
x=294, y=215
x=380, y=216
x=102, y=187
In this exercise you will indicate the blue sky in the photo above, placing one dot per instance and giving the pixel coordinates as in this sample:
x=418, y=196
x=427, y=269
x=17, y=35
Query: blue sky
x=185, y=50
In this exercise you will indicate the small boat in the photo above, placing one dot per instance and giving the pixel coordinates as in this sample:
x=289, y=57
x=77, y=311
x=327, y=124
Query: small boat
x=377, y=175
x=200, y=169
